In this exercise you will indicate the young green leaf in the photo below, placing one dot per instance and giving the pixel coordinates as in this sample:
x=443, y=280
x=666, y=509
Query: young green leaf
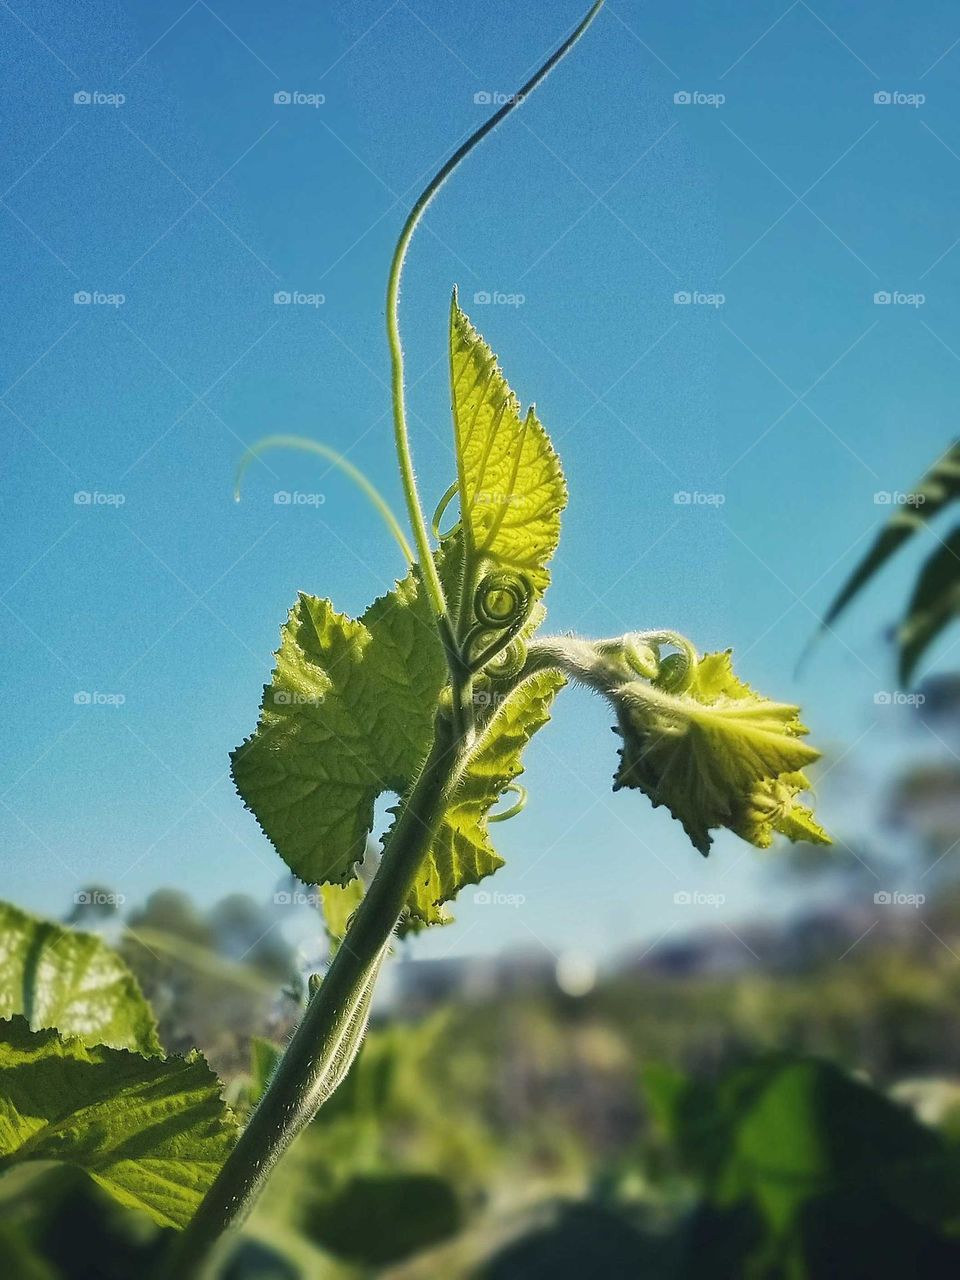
x=462, y=853
x=348, y=715
x=57, y=977
x=512, y=489
x=717, y=754
x=151, y=1131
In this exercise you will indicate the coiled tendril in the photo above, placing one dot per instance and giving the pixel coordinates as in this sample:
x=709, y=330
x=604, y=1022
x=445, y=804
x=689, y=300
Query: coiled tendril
x=438, y=515
x=501, y=604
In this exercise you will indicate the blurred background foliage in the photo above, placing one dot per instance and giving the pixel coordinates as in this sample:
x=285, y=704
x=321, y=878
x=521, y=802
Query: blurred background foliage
x=778, y=1101
x=773, y=1099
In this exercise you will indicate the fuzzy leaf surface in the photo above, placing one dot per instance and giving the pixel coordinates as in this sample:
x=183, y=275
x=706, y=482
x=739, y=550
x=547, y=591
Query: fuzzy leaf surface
x=153, y=1132
x=462, y=853
x=512, y=489
x=348, y=715
x=717, y=754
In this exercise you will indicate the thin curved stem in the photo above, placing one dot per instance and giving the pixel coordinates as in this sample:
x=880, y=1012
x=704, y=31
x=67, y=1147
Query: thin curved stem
x=339, y=461
x=401, y=433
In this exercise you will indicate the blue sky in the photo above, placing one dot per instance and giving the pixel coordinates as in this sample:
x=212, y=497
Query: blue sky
x=796, y=399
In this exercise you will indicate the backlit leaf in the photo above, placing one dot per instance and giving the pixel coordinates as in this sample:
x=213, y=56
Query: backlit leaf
x=58, y=977
x=153, y=1132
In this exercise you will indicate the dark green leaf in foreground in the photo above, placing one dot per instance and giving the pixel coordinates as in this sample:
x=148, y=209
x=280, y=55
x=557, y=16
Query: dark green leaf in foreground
x=153, y=1132
x=783, y=1131
x=375, y=1219
x=56, y=977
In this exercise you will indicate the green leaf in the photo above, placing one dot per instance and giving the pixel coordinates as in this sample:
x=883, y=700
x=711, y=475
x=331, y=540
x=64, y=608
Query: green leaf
x=938, y=487
x=934, y=604
x=339, y=902
x=56, y=977
x=264, y=1056
x=511, y=486
x=783, y=1131
x=716, y=754
x=462, y=853
x=153, y=1132
x=375, y=1219
x=348, y=715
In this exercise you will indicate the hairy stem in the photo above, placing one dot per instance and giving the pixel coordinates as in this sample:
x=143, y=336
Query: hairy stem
x=313, y=1063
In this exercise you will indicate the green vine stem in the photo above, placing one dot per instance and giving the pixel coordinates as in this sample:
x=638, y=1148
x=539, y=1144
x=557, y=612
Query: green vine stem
x=329, y=1034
